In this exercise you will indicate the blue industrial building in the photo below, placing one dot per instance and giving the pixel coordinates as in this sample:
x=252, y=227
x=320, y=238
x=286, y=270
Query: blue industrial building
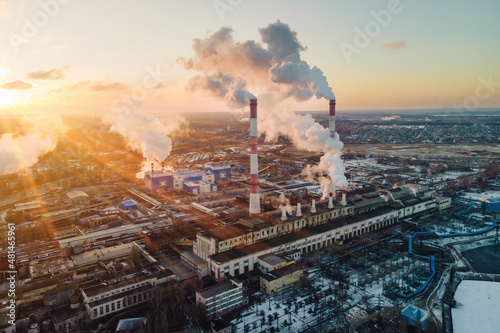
x=158, y=179
x=492, y=205
x=195, y=181
x=415, y=316
x=220, y=171
x=129, y=204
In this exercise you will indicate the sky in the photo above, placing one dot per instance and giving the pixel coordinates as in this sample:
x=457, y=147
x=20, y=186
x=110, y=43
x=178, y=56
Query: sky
x=95, y=57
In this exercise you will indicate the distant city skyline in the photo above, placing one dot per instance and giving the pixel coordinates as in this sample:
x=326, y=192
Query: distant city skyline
x=72, y=57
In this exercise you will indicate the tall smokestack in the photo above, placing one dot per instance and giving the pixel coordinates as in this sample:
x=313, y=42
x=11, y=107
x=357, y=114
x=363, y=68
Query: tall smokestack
x=283, y=212
x=332, y=117
x=151, y=178
x=254, y=163
x=299, y=208
x=162, y=167
x=344, y=199
x=313, y=206
x=330, y=201
x=220, y=160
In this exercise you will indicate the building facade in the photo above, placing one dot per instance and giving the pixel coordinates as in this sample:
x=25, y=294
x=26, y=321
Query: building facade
x=221, y=298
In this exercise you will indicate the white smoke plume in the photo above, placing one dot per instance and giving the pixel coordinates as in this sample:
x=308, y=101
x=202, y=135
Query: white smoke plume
x=145, y=133
x=385, y=197
x=284, y=199
x=395, y=200
x=228, y=70
x=38, y=135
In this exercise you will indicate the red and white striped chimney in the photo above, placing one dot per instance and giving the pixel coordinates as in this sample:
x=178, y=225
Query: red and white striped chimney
x=254, y=162
x=344, y=198
x=283, y=212
x=151, y=178
x=299, y=208
x=162, y=167
x=332, y=117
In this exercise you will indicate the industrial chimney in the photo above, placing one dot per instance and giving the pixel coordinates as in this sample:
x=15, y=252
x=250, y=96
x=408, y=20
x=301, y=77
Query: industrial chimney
x=344, y=199
x=151, y=178
x=313, y=205
x=332, y=117
x=330, y=201
x=283, y=212
x=299, y=210
x=254, y=163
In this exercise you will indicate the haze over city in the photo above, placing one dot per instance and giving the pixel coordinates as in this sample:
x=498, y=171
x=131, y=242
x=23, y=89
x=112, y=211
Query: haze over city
x=249, y=166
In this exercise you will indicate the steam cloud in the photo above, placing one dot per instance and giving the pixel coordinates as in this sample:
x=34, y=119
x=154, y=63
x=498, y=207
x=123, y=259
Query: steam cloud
x=38, y=136
x=145, y=133
x=227, y=69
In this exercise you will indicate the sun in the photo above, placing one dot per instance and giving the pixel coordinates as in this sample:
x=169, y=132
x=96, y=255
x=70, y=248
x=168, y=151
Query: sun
x=9, y=98
x=13, y=98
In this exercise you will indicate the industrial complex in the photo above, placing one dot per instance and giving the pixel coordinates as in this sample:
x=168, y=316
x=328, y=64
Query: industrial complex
x=228, y=244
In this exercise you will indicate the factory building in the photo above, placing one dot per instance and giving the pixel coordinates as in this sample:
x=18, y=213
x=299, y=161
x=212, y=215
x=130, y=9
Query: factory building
x=236, y=248
x=156, y=179
x=281, y=278
x=298, y=235
x=221, y=298
x=221, y=171
x=443, y=203
x=126, y=293
x=492, y=205
x=78, y=197
x=195, y=182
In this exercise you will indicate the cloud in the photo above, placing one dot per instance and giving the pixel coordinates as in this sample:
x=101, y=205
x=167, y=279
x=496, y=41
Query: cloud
x=16, y=85
x=100, y=86
x=394, y=45
x=59, y=47
x=51, y=74
x=5, y=10
x=4, y=71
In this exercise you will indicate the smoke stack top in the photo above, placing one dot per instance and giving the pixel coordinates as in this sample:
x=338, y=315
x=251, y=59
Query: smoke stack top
x=344, y=198
x=283, y=212
x=253, y=108
x=332, y=107
x=313, y=206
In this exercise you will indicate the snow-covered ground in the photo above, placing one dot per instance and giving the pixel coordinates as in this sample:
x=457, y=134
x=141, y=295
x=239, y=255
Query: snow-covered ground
x=365, y=292
x=477, y=307
x=486, y=194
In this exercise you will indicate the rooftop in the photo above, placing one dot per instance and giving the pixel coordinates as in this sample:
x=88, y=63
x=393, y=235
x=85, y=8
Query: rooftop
x=283, y=271
x=97, y=290
x=217, y=289
x=105, y=254
x=76, y=194
x=272, y=259
x=225, y=232
x=292, y=237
